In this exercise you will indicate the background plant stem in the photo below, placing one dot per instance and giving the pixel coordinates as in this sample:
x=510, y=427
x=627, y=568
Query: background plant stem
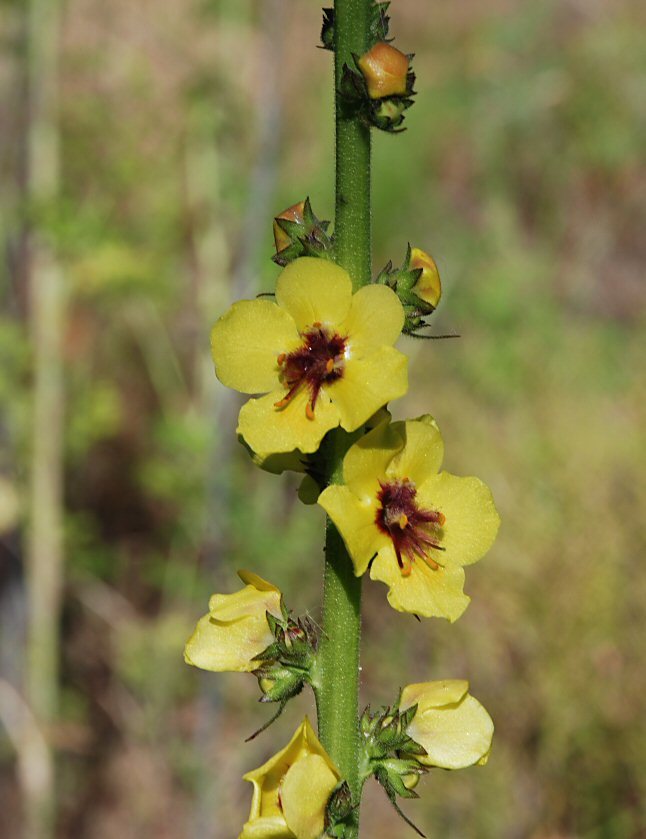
x=45, y=546
x=337, y=694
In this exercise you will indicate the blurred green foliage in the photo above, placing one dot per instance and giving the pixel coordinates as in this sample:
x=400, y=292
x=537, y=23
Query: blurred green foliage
x=523, y=173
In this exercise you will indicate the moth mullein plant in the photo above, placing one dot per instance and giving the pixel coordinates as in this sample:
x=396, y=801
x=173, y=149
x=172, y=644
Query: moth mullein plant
x=321, y=356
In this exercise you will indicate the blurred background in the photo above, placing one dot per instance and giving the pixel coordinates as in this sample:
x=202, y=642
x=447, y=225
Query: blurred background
x=144, y=149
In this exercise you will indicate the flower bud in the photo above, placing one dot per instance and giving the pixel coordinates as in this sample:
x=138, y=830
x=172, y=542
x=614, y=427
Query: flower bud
x=385, y=70
x=388, y=114
x=298, y=232
x=428, y=287
x=294, y=214
x=417, y=284
x=279, y=683
x=411, y=781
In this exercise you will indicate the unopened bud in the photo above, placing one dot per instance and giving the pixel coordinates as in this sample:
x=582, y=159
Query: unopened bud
x=294, y=214
x=298, y=232
x=428, y=287
x=266, y=685
x=411, y=781
x=385, y=70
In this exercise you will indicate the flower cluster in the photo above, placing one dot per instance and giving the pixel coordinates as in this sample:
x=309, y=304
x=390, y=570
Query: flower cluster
x=317, y=357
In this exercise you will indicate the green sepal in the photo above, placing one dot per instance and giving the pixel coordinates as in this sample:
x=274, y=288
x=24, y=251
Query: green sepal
x=395, y=770
x=268, y=723
x=338, y=808
x=308, y=237
x=390, y=754
x=285, y=666
x=386, y=733
x=281, y=682
x=327, y=30
x=382, y=778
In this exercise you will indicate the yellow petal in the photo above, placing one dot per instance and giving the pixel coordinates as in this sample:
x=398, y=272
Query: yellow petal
x=423, y=451
x=425, y=592
x=472, y=520
x=267, y=828
x=246, y=342
x=268, y=779
x=428, y=287
x=375, y=319
x=249, y=601
x=367, y=384
x=312, y=290
x=270, y=429
x=366, y=462
x=255, y=580
x=355, y=522
x=304, y=794
x=303, y=741
x=455, y=736
x=228, y=647
x=433, y=694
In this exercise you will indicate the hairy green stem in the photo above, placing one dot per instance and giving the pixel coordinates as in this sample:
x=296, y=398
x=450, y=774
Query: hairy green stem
x=338, y=662
x=352, y=212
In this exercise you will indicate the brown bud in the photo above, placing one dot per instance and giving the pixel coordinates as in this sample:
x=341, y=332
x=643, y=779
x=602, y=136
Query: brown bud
x=293, y=213
x=385, y=70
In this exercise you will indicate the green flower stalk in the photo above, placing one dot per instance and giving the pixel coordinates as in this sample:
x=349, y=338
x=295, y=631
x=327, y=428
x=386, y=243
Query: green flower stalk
x=338, y=690
x=319, y=364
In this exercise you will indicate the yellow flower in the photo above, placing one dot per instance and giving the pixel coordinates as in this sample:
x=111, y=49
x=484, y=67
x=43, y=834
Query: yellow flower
x=428, y=287
x=385, y=70
x=449, y=723
x=417, y=525
x=235, y=629
x=291, y=790
x=323, y=356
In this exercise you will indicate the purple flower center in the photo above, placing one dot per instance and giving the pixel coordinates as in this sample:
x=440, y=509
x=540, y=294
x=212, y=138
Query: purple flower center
x=413, y=530
x=317, y=362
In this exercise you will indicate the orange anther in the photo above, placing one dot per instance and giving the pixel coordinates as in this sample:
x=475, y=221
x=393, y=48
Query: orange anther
x=406, y=569
x=432, y=563
x=329, y=367
x=403, y=521
x=441, y=519
x=317, y=324
x=281, y=358
x=282, y=402
x=309, y=411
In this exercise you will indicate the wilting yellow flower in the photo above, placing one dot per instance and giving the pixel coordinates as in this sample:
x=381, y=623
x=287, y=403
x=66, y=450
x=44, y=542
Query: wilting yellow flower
x=291, y=790
x=449, y=723
x=323, y=356
x=428, y=287
x=235, y=629
x=385, y=69
x=417, y=525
